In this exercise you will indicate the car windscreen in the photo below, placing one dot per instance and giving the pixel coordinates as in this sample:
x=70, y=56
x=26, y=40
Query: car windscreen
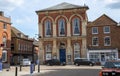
x=112, y=65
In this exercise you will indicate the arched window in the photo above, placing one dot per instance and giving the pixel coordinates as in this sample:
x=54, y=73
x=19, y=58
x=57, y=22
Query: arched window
x=61, y=27
x=48, y=49
x=76, y=26
x=48, y=28
x=76, y=50
x=5, y=41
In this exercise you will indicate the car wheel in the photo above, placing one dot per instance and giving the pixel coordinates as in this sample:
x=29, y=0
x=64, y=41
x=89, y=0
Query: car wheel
x=48, y=63
x=77, y=64
x=91, y=64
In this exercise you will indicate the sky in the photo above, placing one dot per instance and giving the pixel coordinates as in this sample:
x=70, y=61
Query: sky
x=25, y=19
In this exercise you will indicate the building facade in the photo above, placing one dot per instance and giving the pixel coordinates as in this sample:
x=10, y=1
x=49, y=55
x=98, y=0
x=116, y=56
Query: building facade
x=62, y=30
x=5, y=38
x=103, y=40
x=21, y=47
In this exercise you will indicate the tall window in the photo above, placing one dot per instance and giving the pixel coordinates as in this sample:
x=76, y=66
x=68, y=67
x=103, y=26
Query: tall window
x=61, y=26
x=76, y=26
x=4, y=41
x=4, y=56
x=94, y=30
x=48, y=28
x=106, y=29
x=4, y=26
x=107, y=41
x=48, y=49
x=95, y=41
x=76, y=50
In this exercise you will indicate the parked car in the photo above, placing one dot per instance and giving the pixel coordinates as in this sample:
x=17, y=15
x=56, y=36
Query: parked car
x=110, y=68
x=54, y=62
x=83, y=61
x=25, y=62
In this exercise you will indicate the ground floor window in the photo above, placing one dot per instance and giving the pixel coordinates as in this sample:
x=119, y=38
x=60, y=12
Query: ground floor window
x=48, y=49
x=76, y=50
x=4, y=56
x=102, y=56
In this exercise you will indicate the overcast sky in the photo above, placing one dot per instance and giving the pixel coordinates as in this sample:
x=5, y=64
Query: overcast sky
x=24, y=18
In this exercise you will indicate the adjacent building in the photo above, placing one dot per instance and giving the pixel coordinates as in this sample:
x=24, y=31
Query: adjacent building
x=5, y=38
x=62, y=31
x=103, y=39
x=21, y=46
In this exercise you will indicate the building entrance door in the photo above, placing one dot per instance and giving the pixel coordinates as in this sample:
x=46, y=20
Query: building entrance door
x=103, y=58
x=62, y=54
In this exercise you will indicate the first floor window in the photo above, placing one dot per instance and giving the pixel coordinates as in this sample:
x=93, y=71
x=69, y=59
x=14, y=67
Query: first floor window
x=76, y=50
x=4, y=56
x=107, y=41
x=95, y=41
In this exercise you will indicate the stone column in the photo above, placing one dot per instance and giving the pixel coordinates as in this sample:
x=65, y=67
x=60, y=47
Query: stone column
x=54, y=51
x=40, y=29
x=68, y=29
x=84, y=50
x=54, y=30
x=41, y=51
x=69, y=56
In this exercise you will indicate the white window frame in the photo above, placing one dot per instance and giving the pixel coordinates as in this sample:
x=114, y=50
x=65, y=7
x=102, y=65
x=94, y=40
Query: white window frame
x=93, y=30
x=105, y=43
x=73, y=26
x=48, y=49
x=4, y=52
x=76, y=50
x=105, y=30
x=59, y=27
x=97, y=43
x=46, y=28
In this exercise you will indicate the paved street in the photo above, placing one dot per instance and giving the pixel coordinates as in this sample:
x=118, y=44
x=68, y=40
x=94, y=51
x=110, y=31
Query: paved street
x=68, y=70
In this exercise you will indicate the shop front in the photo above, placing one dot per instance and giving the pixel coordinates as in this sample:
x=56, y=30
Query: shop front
x=101, y=56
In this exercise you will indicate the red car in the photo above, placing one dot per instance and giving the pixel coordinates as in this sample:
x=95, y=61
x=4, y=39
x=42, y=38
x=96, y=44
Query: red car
x=110, y=68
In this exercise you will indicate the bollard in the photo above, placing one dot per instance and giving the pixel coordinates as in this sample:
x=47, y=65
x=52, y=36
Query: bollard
x=15, y=71
x=20, y=67
x=0, y=66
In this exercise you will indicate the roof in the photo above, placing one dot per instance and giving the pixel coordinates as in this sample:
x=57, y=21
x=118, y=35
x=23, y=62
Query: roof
x=102, y=20
x=62, y=6
x=17, y=33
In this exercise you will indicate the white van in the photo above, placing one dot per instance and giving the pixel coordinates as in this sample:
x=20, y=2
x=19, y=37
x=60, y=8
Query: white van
x=25, y=62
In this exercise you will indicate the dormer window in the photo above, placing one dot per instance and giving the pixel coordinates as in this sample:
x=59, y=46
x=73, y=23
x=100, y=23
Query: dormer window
x=19, y=34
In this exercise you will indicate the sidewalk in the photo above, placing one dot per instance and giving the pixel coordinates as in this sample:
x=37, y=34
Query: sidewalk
x=25, y=71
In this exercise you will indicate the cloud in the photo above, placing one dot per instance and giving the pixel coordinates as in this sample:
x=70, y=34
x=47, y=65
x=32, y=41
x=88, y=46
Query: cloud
x=115, y=5
x=10, y=5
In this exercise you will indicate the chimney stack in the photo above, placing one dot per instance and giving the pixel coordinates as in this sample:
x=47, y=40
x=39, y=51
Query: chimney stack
x=1, y=13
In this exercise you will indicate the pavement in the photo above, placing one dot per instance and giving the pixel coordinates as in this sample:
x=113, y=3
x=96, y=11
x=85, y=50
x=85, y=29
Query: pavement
x=43, y=69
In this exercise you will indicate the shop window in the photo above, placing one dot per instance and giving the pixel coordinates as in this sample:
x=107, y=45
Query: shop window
x=48, y=49
x=76, y=26
x=106, y=29
x=107, y=41
x=94, y=30
x=4, y=56
x=48, y=28
x=95, y=41
x=61, y=26
x=76, y=50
